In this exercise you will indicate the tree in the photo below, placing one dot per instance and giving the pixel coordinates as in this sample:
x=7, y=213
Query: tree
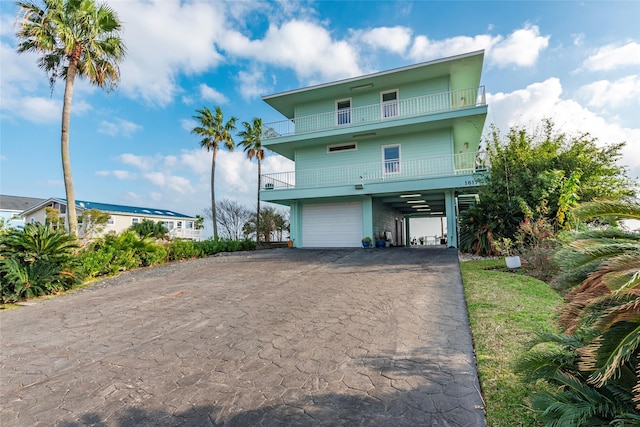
x=252, y=143
x=148, y=228
x=547, y=168
x=596, y=367
x=76, y=38
x=94, y=221
x=271, y=221
x=214, y=131
x=231, y=216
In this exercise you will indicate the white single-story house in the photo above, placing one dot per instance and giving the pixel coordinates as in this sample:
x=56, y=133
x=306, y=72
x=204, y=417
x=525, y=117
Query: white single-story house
x=122, y=217
x=11, y=208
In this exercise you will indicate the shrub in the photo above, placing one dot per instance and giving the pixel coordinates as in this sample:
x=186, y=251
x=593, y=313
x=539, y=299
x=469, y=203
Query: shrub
x=114, y=253
x=36, y=261
x=183, y=249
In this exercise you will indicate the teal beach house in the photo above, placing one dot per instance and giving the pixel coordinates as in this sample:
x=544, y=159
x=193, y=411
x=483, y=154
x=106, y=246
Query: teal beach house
x=371, y=152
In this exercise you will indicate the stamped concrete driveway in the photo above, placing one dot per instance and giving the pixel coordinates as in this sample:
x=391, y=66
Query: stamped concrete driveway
x=278, y=337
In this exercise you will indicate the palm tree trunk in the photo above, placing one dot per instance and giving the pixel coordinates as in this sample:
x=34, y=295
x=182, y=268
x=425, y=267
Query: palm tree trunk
x=258, y=215
x=213, y=195
x=72, y=219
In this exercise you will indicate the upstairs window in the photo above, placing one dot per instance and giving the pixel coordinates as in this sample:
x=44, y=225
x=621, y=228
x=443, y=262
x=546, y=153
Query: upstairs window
x=343, y=110
x=391, y=156
x=389, y=101
x=135, y=220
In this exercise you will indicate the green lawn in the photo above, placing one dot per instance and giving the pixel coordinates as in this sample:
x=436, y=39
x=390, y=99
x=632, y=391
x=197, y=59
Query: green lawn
x=505, y=310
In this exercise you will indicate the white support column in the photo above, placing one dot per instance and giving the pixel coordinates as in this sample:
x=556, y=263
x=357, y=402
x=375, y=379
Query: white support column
x=452, y=221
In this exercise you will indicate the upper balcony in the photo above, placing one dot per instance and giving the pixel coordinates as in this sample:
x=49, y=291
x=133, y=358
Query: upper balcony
x=389, y=113
x=372, y=173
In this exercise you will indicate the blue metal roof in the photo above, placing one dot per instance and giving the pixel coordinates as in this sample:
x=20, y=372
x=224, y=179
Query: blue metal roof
x=107, y=207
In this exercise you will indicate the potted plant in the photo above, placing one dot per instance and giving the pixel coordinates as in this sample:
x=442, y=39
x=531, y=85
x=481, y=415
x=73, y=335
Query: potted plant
x=366, y=242
x=421, y=239
x=379, y=241
x=507, y=249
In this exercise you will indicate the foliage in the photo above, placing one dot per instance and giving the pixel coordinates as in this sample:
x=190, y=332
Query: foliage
x=74, y=38
x=537, y=244
x=213, y=130
x=180, y=249
x=36, y=261
x=214, y=246
x=231, y=216
x=601, y=384
x=53, y=218
x=112, y=254
x=252, y=144
x=272, y=224
x=148, y=228
x=504, y=311
x=533, y=169
x=94, y=221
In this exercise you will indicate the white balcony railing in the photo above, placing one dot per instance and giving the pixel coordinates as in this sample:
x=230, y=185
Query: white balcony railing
x=184, y=233
x=421, y=105
x=456, y=164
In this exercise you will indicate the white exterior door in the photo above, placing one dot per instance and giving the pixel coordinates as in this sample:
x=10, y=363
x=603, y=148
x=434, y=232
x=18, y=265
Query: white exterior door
x=332, y=225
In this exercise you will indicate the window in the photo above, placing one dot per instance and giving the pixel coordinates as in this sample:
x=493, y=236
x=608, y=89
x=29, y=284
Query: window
x=389, y=102
x=342, y=147
x=168, y=225
x=135, y=220
x=343, y=108
x=111, y=221
x=188, y=225
x=391, y=155
x=179, y=224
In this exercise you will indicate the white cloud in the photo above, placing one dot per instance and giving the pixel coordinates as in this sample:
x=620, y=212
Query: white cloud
x=169, y=37
x=252, y=84
x=528, y=107
x=611, y=57
x=393, y=39
x=118, y=127
x=305, y=47
x=141, y=162
x=614, y=94
x=210, y=94
x=520, y=48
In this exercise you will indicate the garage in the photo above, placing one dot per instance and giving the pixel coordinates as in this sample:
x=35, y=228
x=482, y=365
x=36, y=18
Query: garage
x=332, y=225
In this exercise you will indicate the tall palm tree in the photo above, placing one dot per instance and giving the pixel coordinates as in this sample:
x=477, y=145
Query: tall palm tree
x=76, y=38
x=214, y=131
x=252, y=143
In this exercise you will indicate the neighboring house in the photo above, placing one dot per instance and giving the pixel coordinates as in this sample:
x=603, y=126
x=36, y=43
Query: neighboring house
x=12, y=206
x=370, y=152
x=122, y=217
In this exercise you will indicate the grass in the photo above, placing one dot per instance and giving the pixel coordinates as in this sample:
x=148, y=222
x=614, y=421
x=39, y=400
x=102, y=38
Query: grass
x=505, y=311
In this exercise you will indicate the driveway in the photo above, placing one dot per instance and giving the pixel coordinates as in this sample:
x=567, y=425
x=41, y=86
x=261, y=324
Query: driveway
x=275, y=337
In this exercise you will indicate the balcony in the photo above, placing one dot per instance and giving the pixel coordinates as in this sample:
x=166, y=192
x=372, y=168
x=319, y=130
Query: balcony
x=375, y=113
x=457, y=164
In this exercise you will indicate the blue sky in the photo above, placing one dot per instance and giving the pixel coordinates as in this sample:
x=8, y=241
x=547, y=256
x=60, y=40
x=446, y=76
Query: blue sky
x=576, y=62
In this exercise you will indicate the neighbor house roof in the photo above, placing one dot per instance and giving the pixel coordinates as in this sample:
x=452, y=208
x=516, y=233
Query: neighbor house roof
x=115, y=209
x=18, y=203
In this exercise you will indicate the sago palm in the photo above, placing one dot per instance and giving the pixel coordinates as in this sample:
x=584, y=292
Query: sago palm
x=76, y=38
x=252, y=143
x=214, y=130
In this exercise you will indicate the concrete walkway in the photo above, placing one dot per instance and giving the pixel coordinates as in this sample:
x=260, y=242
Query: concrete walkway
x=286, y=337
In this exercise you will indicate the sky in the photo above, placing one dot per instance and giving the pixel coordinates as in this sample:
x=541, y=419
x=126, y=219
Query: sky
x=577, y=63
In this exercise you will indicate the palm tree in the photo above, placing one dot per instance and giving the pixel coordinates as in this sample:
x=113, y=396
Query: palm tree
x=76, y=38
x=252, y=143
x=213, y=131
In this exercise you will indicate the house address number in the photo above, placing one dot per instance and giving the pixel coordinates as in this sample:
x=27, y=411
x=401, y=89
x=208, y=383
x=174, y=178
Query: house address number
x=470, y=182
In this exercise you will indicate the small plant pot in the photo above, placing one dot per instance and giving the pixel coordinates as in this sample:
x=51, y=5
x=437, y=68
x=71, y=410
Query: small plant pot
x=513, y=261
x=365, y=244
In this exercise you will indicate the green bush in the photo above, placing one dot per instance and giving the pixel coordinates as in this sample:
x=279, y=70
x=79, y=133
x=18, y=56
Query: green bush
x=183, y=249
x=114, y=253
x=214, y=246
x=36, y=261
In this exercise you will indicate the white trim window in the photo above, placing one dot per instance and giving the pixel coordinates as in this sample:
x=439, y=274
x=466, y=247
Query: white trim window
x=135, y=220
x=389, y=103
x=343, y=111
x=111, y=221
x=391, y=159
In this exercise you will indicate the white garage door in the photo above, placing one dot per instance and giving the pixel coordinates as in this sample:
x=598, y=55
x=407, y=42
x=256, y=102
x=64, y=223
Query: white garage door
x=332, y=225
